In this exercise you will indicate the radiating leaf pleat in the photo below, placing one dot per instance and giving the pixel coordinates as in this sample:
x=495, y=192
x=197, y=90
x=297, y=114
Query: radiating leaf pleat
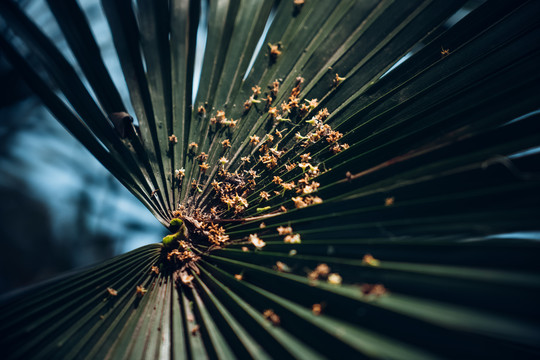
x=126, y=37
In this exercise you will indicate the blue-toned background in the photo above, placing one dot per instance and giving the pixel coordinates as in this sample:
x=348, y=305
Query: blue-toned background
x=59, y=208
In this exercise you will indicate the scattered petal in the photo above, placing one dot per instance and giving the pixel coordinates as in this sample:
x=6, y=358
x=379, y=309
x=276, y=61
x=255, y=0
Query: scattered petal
x=374, y=290
x=368, y=259
x=282, y=267
x=274, y=51
x=258, y=243
x=284, y=230
x=186, y=278
x=271, y=315
x=112, y=292
x=141, y=290
x=334, y=279
x=316, y=309
x=292, y=239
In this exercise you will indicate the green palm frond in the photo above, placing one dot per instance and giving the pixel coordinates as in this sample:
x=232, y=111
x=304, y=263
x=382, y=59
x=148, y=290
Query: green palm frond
x=378, y=218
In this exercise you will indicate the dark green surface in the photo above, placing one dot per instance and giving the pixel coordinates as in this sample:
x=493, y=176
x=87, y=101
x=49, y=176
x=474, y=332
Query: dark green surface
x=435, y=134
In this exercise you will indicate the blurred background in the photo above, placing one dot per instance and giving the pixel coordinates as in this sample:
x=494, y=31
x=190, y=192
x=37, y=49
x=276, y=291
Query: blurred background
x=60, y=209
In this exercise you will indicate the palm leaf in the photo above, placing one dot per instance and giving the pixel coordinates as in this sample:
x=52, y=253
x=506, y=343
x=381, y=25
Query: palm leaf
x=411, y=243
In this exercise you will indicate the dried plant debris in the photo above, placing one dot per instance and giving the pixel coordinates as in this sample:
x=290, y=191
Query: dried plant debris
x=203, y=167
x=232, y=192
x=368, y=259
x=322, y=271
x=253, y=98
x=178, y=254
x=337, y=80
x=373, y=291
x=322, y=131
x=256, y=241
x=292, y=239
x=140, y=291
x=186, y=278
x=284, y=230
x=232, y=189
x=270, y=153
x=272, y=317
x=282, y=267
x=112, y=292
x=180, y=173
x=334, y=279
x=316, y=309
x=444, y=52
x=275, y=51
x=221, y=120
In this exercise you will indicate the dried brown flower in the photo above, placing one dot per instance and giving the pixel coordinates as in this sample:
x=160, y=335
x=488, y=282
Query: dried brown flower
x=284, y=230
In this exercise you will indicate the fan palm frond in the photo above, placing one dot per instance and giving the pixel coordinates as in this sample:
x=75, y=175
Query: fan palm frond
x=353, y=187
